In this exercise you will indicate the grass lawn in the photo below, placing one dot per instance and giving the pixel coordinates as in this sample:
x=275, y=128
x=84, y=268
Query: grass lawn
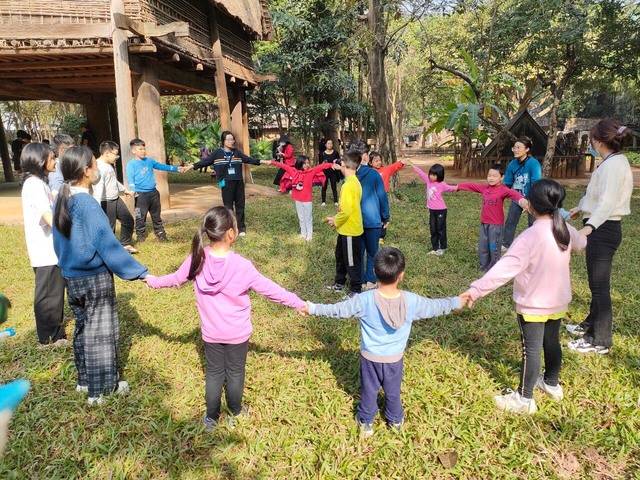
x=302, y=381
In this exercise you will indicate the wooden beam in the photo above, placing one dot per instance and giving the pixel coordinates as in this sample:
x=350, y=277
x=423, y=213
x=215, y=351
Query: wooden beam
x=87, y=81
x=93, y=72
x=18, y=91
x=143, y=48
x=220, y=80
x=175, y=57
x=179, y=78
x=122, y=73
x=7, y=168
x=144, y=29
x=49, y=66
x=15, y=31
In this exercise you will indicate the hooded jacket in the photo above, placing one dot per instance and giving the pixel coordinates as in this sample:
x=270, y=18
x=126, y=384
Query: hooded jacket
x=222, y=295
x=374, y=203
x=385, y=323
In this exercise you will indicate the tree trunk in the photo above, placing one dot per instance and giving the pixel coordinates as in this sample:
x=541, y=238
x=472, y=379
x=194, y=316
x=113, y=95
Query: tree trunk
x=553, y=136
x=376, y=54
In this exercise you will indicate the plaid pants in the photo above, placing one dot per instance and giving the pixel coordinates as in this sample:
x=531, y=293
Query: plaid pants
x=95, y=345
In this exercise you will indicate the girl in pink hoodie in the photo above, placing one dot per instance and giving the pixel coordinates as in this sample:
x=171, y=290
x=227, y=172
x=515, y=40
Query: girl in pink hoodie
x=538, y=261
x=222, y=280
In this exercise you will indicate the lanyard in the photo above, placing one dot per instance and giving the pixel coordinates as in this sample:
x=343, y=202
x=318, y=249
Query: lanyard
x=228, y=156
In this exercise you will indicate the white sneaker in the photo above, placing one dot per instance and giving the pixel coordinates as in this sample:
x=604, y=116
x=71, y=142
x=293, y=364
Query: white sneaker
x=242, y=234
x=123, y=388
x=555, y=393
x=440, y=251
x=95, y=401
x=323, y=204
x=576, y=330
x=514, y=402
x=82, y=389
x=432, y=252
x=582, y=346
x=336, y=204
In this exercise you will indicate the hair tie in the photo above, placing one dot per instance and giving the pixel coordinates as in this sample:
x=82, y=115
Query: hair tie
x=621, y=130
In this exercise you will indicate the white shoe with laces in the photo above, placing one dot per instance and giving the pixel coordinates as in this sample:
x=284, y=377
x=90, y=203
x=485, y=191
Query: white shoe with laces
x=123, y=388
x=582, y=346
x=514, y=402
x=555, y=393
x=575, y=330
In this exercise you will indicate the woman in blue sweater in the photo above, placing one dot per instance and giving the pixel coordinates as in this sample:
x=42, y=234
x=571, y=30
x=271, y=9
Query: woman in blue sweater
x=89, y=254
x=522, y=172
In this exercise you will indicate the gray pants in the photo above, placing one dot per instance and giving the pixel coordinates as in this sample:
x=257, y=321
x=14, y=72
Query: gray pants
x=305, y=217
x=489, y=245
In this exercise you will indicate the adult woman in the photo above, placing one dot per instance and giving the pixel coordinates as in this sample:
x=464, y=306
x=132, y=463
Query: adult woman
x=329, y=155
x=521, y=173
x=284, y=154
x=605, y=202
x=37, y=161
x=89, y=254
x=227, y=163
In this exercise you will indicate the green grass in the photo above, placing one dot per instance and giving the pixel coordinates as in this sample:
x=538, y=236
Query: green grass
x=302, y=379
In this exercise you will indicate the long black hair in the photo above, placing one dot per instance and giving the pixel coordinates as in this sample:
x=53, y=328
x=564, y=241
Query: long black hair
x=215, y=225
x=437, y=170
x=73, y=161
x=33, y=161
x=300, y=162
x=546, y=197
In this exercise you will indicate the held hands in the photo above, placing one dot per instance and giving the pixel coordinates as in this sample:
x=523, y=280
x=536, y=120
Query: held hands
x=574, y=213
x=331, y=221
x=304, y=310
x=185, y=169
x=147, y=278
x=524, y=204
x=336, y=166
x=465, y=300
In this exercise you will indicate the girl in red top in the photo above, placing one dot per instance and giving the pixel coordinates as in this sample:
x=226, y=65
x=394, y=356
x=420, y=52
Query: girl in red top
x=302, y=183
x=375, y=161
x=284, y=154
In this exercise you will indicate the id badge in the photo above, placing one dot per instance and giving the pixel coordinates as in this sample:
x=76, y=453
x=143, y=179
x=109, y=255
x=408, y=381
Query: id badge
x=231, y=170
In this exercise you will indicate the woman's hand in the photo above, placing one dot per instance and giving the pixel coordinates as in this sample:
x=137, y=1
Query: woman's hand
x=574, y=213
x=586, y=230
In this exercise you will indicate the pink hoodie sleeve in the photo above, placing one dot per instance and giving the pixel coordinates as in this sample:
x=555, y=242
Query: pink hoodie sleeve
x=179, y=277
x=509, y=266
x=448, y=188
x=270, y=289
x=421, y=174
x=578, y=241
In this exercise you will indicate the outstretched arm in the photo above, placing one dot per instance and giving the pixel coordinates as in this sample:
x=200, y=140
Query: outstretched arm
x=347, y=309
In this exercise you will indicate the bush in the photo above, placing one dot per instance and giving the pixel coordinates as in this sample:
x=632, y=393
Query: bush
x=634, y=158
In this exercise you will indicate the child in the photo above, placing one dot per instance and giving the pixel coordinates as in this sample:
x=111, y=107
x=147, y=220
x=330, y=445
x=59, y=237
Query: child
x=222, y=280
x=436, y=186
x=492, y=214
x=385, y=316
x=302, y=184
x=538, y=261
x=107, y=193
x=143, y=183
x=375, y=162
x=348, y=223
x=89, y=254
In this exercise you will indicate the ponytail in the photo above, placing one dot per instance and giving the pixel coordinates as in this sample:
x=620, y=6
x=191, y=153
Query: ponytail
x=197, y=253
x=546, y=197
x=61, y=217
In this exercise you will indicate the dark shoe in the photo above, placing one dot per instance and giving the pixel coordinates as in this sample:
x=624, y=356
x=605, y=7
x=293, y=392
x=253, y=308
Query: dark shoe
x=209, y=424
x=366, y=429
x=336, y=287
x=163, y=238
x=232, y=420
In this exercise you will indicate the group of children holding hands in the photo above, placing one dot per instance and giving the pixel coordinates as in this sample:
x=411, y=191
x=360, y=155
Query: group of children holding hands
x=89, y=254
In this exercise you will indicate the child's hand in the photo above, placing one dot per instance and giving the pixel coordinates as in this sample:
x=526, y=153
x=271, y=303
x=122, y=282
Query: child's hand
x=574, y=213
x=185, y=169
x=524, y=204
x=147, y=278
x=336, y=166
x=331, y=221
x=304, y=310
x=385, y=225
x=465, y=300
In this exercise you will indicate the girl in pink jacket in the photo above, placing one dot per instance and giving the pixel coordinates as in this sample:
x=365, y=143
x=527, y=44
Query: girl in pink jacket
x=222, y=280
x=538, y=261
x=436, y=186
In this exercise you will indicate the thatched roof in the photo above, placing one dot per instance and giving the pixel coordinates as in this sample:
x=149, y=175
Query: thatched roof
x=252, y=13
x=522, y=124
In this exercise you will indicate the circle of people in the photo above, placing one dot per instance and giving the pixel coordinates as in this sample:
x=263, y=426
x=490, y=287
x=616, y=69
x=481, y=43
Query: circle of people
x=71, y=202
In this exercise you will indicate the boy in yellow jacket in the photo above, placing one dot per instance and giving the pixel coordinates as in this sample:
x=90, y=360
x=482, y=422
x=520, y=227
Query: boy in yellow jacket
x=348, y=223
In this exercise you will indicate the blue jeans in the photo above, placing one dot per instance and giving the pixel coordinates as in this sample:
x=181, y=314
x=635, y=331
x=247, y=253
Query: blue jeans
x=374, y=375
x=370, y=242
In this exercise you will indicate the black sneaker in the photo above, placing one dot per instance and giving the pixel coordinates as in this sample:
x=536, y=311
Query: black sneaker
x=336, y=287
x=163, y=238
x=365, y=428
x=209, y=424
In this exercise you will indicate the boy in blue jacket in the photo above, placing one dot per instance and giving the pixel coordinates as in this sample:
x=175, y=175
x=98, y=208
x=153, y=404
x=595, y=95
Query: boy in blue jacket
x=375, y=213
x=386, y=315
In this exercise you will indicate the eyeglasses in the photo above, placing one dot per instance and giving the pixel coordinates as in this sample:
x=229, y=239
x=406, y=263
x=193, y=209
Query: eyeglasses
x=515, y=149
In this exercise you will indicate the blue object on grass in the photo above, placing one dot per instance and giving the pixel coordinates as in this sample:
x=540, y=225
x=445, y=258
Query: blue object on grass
x=12, y=393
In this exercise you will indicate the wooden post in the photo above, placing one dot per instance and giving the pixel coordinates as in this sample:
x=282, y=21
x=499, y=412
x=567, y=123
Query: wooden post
x=149, y=115
x=124, y=100
x=7, y=167
x=98, y=118
x=221, y=83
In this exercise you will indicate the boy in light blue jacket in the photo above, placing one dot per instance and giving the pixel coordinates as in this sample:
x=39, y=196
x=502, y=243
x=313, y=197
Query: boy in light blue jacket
x=386, y=315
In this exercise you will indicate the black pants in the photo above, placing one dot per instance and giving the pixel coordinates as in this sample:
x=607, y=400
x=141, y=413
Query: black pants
x=349, y=261
x=148, y=202
x=332, y=178
x=48, y=303
x=117, y=210
x=537, y=336
x=513, y=217
x=233, y=198
x=438, y=228
x=279, y=175
x=601, y=247
x=225, y=362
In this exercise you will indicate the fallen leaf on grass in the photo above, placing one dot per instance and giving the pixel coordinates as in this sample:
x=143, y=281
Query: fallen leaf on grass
x=448, y=459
